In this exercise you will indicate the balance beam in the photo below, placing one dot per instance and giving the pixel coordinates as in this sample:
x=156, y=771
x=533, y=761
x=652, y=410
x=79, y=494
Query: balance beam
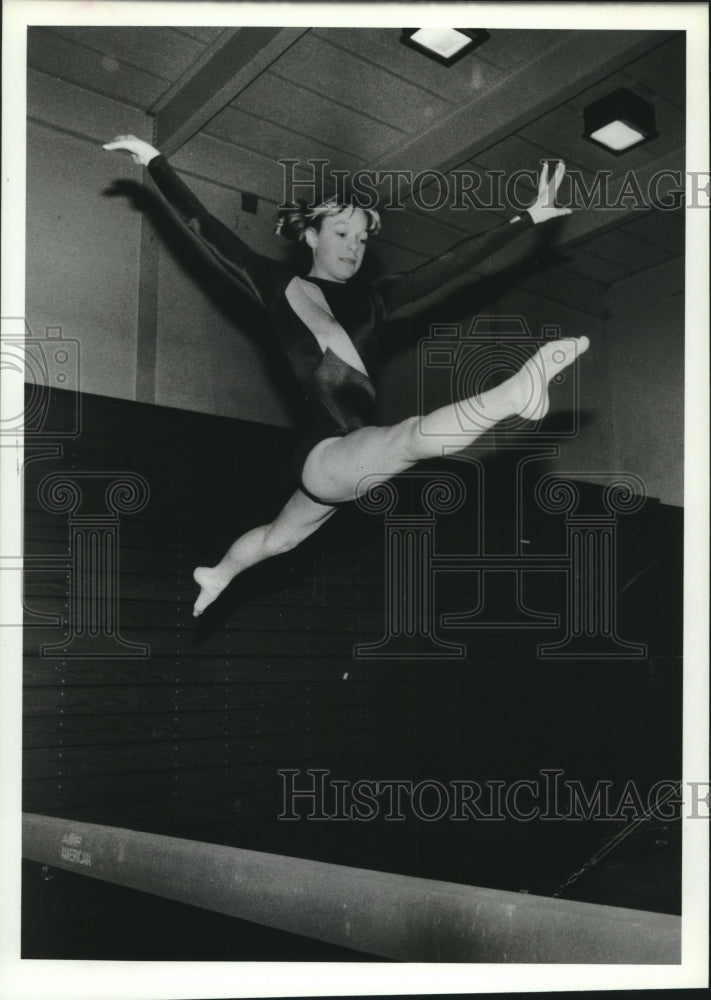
x=394, y=916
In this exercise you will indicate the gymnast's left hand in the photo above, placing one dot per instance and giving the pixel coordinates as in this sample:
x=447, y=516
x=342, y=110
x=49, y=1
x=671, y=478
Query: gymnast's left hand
x=141, y=151
x=544, y=207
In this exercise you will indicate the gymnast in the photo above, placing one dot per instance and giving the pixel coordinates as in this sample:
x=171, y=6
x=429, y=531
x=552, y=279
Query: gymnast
x=327, y=322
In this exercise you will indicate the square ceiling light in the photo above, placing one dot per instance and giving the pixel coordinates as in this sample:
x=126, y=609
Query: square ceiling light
x=445, y=45
x=620, y=122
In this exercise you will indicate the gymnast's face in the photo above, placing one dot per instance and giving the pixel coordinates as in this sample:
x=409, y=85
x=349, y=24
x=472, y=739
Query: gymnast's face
x=338, y=246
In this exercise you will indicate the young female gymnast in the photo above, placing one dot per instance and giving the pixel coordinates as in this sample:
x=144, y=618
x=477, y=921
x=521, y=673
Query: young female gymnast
x=326, y=323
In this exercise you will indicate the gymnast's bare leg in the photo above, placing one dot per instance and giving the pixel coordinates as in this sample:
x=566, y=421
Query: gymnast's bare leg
x=336, y=466
x=298, y=519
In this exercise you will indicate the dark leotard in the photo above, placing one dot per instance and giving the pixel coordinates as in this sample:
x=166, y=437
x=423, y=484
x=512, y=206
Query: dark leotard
x=340, y=398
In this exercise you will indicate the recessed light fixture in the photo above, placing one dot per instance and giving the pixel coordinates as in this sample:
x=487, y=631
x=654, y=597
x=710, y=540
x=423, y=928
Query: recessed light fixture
x=620, y=121
x=446, y=45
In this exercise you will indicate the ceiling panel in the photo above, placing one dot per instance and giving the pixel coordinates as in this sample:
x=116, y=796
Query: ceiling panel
x=95, y=117
x=665, y=229
x=509, y=48
x=284, y=103
x=605, y=86
x=205, y=157
x=163, y=51
x=597, y=268
x=410, y=229
x=387, y=257
x=510, y=156
x=274, y=141
x=483, y=197
x=625, y=249
x=203, y=34
x=468, y=220
x=663, y=70
x=321, y=67
x=382, y=47
x=670, y=125
x=563, y=286
x=61, y=57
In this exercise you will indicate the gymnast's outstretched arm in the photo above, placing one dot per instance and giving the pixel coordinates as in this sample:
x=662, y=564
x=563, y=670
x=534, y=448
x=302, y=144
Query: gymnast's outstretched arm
x=408, y=287
x=255, y=274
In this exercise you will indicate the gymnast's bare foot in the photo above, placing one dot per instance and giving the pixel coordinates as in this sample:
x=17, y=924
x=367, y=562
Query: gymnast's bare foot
x=211, y=582
x=530, y=386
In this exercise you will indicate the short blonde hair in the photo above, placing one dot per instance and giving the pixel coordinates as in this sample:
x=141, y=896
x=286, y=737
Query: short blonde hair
x=294, y=220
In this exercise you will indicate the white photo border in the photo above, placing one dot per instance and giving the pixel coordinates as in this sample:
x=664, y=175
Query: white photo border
x=120, y=980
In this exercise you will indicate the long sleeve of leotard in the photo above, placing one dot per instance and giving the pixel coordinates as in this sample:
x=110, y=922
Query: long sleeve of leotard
x=407, y=287
x=255, y=274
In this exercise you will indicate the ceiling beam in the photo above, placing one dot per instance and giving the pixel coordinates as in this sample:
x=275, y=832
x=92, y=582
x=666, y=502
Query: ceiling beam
x=231, y=67
x=573, y=64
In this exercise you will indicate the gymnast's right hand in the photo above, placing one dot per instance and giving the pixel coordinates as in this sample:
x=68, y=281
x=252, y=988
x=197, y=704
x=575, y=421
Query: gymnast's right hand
x=141, y=152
